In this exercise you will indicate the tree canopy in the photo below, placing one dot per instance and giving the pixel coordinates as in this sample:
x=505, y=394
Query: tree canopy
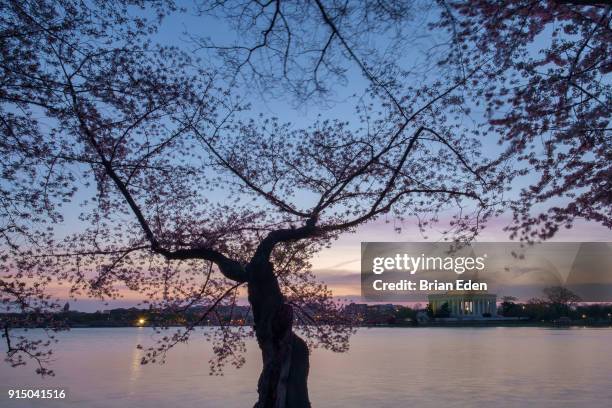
x=178, y=193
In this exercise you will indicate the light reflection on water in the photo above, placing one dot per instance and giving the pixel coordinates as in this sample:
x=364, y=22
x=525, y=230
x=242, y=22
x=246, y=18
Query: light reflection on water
x=386, y=367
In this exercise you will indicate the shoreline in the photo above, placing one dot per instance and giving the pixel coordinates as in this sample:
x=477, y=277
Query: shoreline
x=464, y=324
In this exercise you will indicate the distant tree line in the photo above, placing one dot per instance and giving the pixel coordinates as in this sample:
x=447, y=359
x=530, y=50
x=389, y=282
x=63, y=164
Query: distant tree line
x=557, y=303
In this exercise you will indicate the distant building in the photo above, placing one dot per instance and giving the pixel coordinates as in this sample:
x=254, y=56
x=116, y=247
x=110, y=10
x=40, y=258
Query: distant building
x=468, y=304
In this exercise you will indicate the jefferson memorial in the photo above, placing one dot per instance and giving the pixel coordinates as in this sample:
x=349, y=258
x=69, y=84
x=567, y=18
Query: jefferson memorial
x=465, y=304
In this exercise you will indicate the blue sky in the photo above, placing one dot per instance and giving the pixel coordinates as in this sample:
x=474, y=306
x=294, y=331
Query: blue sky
x=339, y=265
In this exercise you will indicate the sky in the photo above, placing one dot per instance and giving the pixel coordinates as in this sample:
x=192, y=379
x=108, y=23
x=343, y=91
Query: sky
x=338, y=266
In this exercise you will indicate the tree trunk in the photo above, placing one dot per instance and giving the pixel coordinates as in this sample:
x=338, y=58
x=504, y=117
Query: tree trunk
x=283, y=379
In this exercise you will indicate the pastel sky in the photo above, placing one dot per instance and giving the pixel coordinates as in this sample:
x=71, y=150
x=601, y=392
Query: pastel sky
x=339, y=265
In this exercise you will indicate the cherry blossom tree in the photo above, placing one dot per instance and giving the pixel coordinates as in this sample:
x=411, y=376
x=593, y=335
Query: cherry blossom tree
x=175, y=190
x=36, y=177
x=186, y=199
x=546, y=90
x=537, y=75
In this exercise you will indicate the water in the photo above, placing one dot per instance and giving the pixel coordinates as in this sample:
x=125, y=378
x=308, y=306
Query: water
x=386, y=367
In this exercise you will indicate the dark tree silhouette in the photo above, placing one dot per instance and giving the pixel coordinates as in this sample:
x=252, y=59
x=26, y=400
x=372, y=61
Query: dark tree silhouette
x=36, y=181
x=545, y=85
x=538, y=71
x=561, y=296
x=186, y=198
x=185, y=201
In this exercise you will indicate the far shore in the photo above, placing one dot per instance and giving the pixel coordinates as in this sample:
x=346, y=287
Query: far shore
x=457, y=324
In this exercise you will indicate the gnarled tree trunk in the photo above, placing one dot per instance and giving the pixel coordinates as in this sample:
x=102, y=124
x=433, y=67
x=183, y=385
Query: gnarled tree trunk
x=283, y=379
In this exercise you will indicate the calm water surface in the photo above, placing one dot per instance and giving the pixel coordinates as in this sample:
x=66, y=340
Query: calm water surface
x=385, y=367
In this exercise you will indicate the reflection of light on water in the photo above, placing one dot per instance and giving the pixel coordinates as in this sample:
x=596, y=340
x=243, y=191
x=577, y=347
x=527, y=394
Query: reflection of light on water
x=135, y=366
